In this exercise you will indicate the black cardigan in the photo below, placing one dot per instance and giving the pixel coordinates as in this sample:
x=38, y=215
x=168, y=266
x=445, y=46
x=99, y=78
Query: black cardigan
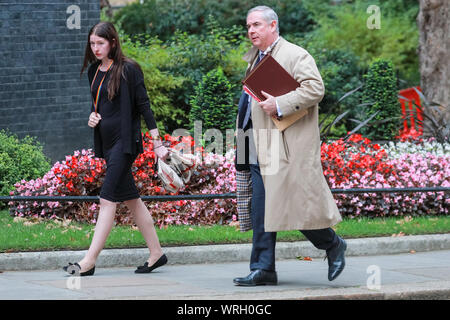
x=133, y=102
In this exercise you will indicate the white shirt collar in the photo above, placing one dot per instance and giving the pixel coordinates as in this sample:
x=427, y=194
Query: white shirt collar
x=270, y=47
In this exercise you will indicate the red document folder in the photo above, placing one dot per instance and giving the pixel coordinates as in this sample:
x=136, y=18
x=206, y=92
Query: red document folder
x=269, y=76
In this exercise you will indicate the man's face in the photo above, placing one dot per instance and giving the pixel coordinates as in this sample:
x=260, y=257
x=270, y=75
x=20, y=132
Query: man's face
x=261, y=33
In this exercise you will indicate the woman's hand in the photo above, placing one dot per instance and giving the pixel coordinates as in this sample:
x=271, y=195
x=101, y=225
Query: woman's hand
x=94, y=119
x=160, y=151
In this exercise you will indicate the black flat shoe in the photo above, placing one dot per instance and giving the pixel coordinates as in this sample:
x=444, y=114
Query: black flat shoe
x=257, y=278
x=74, y=269
x=146, y=269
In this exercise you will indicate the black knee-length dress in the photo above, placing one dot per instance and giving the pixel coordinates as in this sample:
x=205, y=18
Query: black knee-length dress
x=119, y=183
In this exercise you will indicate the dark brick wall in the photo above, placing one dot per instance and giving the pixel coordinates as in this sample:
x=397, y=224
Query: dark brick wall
x=41, y=92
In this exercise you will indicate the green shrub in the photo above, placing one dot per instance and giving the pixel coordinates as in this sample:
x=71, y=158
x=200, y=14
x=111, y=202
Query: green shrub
x=340, y=73
x=337, y=131
x=293, y=17
x=152, y=57
x=380, y=88
x=172, y=69
x=344, y=27
x=212, y=103
x=20, y=159
x=193, y=56
x=234, y=66
x=163, y=17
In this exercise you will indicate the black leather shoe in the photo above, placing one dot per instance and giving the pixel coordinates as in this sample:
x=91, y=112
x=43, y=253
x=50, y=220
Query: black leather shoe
x=336, y=260
x=257, y=277
x=74, y=269
x=146, y=269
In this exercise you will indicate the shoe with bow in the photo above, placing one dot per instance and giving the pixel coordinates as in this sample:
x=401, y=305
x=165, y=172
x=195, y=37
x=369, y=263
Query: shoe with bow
x=146, y=269
x=75, y=268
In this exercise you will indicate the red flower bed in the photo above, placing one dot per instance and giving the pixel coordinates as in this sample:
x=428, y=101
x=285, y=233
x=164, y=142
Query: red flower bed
x=83, y=174
x=355, y=163
x=359, y=163
x=342, y=161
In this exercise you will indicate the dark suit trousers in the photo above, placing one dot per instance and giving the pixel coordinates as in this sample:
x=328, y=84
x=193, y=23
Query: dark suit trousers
x=263, y=249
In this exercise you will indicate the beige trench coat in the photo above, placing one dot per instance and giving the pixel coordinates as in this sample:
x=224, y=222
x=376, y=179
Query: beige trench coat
x=297, y=195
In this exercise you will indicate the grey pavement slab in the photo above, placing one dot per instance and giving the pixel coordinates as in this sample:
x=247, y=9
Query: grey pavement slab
x=420, y=275
x=222, y=253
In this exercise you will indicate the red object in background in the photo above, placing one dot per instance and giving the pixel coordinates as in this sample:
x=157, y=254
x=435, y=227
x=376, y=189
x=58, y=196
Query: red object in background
x=411, y=127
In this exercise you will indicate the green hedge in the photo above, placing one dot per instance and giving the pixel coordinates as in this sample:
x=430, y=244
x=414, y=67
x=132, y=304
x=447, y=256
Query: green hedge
x=193, y=56
x=344, y=27
x=211, y=34
x=173, y=69
x=381, y=89
x=20, y=159
x=152, y=56
x=163, y=17
x=212, y=103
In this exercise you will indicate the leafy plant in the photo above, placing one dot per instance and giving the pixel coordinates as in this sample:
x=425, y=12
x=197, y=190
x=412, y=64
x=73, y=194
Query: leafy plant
x=360, y=163
x=341, y=73
x=352, y=163
x=163, y=18
x=193, y=56
x=152, y=57
x=424, y=147
x=212, y=103
x=82, y=174
x=380, y=88
x=328, y=122
x=20, y=159
x=435, y=122
x=344, y=27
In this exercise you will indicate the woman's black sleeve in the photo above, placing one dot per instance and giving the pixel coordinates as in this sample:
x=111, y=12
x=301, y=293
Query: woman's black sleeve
x=142, y=101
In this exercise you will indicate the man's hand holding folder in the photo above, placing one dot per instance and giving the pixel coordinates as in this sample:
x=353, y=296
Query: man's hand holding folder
x=269, y=105
x=267, y=81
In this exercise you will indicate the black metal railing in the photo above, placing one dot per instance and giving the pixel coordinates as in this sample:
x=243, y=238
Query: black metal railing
x=162, y=198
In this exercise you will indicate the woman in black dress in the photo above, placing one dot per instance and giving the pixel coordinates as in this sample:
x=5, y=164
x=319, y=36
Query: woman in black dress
x=119, y=99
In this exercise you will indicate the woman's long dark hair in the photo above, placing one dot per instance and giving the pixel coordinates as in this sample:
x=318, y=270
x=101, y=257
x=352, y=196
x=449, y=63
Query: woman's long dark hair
x=107, y=31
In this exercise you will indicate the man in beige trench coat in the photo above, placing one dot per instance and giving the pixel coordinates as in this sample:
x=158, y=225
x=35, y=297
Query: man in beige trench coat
x=289, y=190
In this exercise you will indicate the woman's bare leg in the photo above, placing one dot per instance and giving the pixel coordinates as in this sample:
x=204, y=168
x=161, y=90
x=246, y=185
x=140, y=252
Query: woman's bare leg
x=105, y=222
x=144, y=221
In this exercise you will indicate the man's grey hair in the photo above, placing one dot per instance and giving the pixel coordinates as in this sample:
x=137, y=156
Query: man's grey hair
x=268, y=14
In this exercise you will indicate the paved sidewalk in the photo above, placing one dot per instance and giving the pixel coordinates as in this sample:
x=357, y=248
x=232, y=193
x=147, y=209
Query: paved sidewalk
x=422, y=275
x=409, y=267
x=222, y=253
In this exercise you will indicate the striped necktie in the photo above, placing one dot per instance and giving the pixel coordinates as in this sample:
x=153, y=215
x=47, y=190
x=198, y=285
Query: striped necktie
x=248, y=111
